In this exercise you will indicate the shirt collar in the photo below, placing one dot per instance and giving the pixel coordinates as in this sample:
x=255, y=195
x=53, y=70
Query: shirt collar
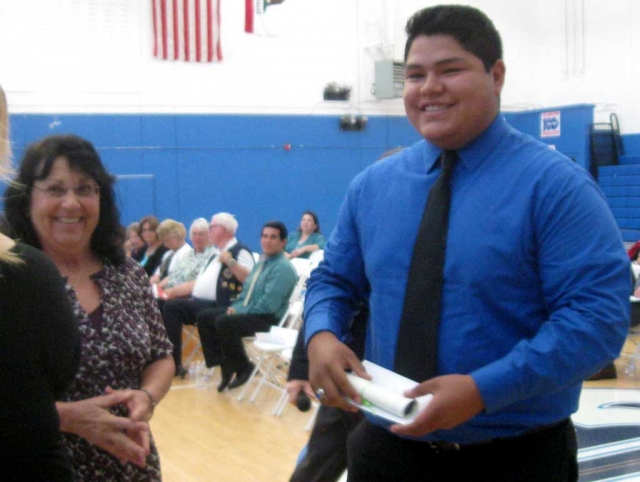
x=230, y=244
x=268, y=259
x=476, y=151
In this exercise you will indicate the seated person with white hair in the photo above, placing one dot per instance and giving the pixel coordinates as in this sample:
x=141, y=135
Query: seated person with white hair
x=218, y=283
x=174, y=236
x=187, y=268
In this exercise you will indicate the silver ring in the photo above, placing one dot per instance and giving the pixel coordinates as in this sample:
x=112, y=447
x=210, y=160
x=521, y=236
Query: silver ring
x=320, y=394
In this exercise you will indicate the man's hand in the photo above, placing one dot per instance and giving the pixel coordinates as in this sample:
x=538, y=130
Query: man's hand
x=294, y=387
x=225, y=257
x=328, y=360
x=456, y=399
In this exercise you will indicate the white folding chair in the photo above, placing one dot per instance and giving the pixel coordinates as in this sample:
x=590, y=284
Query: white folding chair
x=301, y=265
x=286, y=356
x=269, y=346
x=316, y=257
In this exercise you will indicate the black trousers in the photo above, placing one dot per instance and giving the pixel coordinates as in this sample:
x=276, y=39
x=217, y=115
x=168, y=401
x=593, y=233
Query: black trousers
x=548, y=455
x=178, y=312
x=209, y=339
x=326, y=457
x=221, y=337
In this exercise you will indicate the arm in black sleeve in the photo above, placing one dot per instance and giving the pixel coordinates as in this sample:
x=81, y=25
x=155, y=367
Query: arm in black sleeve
x=60, y=339
x=299, y=369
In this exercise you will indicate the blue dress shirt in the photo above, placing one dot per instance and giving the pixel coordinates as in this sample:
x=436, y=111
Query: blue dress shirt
x=536, y=293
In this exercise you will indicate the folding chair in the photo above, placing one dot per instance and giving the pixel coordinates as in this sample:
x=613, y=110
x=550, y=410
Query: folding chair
x=301, y=265
x=269, y=346
x=264, y=352
x=316, y=257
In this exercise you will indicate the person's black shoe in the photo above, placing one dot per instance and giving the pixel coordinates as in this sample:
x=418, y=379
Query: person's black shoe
x=242, y=376
x=181, y=372
x=226, y=379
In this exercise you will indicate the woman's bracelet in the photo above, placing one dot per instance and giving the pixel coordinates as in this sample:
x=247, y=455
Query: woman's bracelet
x=153, y=402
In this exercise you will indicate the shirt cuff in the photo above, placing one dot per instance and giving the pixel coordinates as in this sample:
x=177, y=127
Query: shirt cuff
x=496, y=385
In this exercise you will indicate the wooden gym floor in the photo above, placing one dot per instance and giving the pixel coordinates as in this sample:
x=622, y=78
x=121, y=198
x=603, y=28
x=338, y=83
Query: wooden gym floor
x=203, y=435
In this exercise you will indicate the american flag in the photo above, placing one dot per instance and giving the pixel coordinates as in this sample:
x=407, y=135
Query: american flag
x=187, y=30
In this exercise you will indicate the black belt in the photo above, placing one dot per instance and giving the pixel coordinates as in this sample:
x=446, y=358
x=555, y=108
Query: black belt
x=442, y=447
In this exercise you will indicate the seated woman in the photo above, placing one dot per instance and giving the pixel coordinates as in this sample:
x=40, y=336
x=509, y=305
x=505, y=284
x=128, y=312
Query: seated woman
x=155, y=251
x=307, y=238
x=63, y=203
x=202, y=247
x=174, y=236
x=189, y=267
x=134, y=246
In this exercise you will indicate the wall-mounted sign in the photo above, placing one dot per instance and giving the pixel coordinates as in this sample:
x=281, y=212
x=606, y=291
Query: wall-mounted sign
x=550, y=124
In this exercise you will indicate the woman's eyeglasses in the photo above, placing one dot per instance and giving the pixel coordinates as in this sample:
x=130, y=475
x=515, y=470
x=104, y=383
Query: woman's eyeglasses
x=85, y=191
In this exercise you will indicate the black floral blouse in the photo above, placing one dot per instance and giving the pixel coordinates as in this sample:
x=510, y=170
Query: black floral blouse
x=119, y=340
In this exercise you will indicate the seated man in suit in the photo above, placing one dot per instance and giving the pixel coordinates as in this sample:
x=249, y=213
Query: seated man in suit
x=258, y=307
x=216, y=286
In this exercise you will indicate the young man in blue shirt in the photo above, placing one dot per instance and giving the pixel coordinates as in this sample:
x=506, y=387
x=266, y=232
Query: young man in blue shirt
x=521, y=326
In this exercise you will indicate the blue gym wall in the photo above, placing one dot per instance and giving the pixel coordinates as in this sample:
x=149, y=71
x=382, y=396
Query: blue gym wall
x=573, y=138
x=188, y=166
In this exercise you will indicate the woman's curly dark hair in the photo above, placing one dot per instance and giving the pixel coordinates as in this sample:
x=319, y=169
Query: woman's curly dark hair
x=108, y=238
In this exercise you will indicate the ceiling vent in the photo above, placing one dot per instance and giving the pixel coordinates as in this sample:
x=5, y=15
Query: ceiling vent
x=389, y=79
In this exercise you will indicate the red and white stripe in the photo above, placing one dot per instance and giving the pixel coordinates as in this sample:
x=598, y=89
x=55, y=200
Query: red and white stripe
x=187, y=30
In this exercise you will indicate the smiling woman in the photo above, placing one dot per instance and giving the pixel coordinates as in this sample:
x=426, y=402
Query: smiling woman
x=63, y=203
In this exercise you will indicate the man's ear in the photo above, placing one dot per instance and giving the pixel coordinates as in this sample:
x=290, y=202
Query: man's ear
x=498, y=72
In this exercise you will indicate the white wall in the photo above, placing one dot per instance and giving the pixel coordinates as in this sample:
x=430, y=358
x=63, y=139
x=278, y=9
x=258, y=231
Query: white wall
x=95, y=56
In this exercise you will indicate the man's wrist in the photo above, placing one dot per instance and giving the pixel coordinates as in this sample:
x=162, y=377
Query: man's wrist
x=231, y=263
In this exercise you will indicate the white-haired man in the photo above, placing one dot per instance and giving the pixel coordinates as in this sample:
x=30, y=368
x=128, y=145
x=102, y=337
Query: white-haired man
x=187, y=267
x=217, y=285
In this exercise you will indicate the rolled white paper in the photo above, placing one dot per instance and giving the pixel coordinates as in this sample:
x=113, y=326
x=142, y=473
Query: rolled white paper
x=382, y=397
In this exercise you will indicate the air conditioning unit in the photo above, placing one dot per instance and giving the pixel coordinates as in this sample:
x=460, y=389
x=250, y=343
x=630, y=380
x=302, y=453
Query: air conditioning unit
x=389, y=79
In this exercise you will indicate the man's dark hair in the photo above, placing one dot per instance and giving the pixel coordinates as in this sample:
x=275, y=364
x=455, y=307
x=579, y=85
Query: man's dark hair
x=108, y=238
x=469, y=26
x=279, y=226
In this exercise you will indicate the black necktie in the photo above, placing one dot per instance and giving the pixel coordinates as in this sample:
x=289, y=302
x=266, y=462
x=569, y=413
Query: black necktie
x=416, y=350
